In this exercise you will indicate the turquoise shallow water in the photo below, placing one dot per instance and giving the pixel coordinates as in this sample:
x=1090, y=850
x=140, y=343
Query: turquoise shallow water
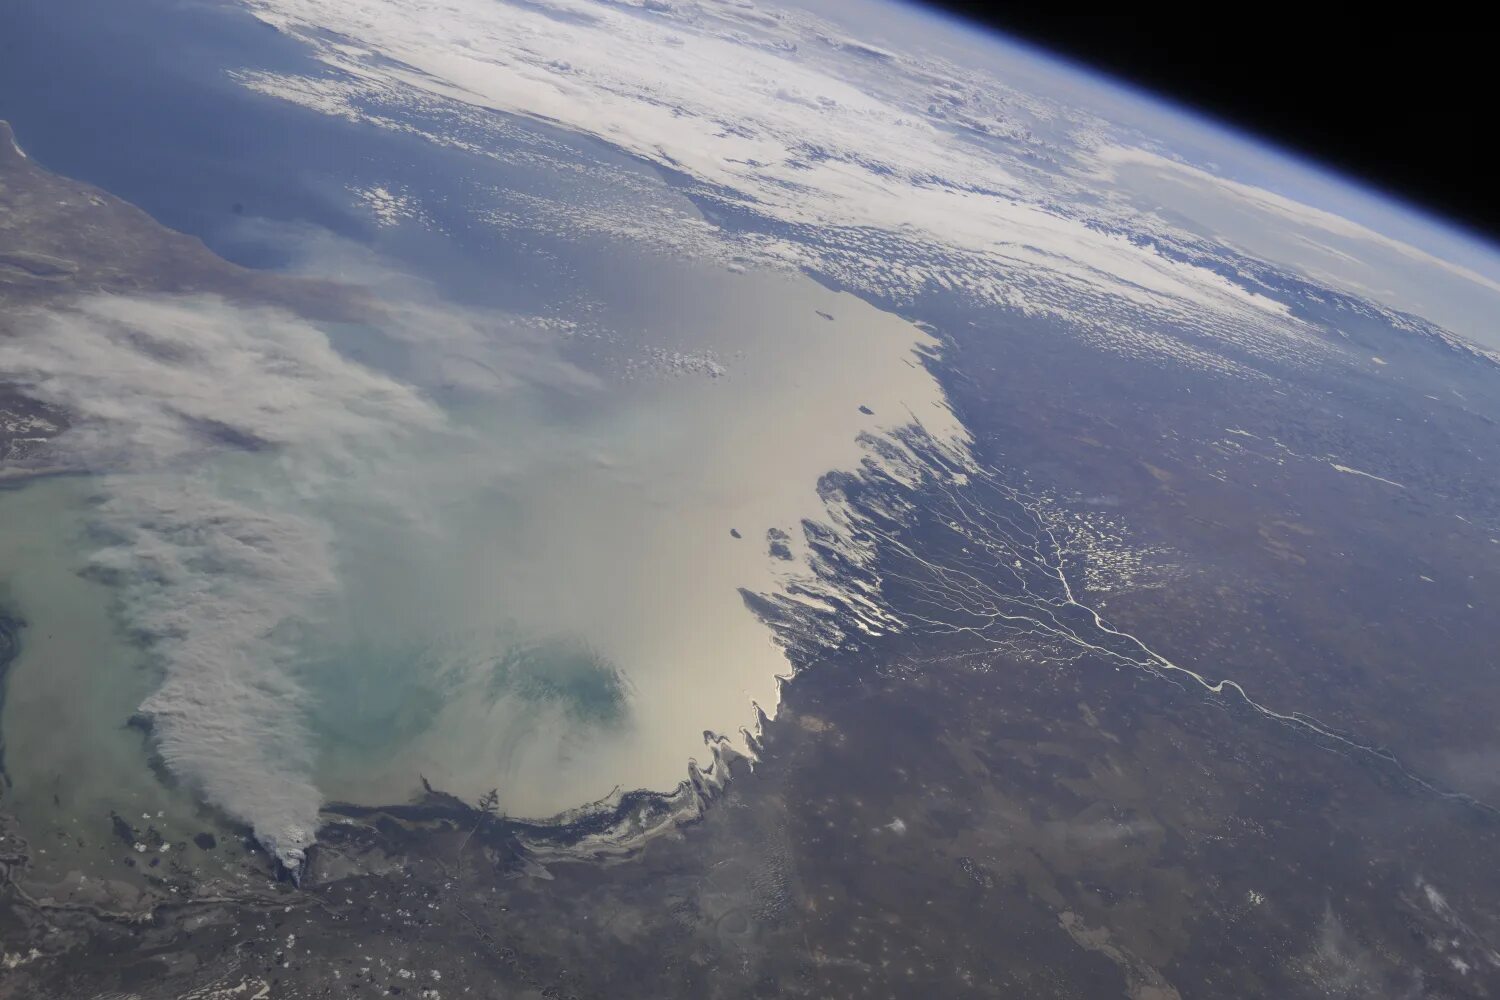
x=71, y=755
x=489, y=541
x=536, y=589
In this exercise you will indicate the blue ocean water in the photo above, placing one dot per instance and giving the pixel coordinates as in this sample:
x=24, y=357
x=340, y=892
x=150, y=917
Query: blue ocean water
x=138, y=100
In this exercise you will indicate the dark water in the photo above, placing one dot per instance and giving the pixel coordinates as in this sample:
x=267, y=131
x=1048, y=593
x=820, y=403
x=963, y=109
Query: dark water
x=138, y=100
x=134, y=98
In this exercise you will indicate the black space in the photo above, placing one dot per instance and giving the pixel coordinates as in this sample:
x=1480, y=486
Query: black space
x=1405, y=106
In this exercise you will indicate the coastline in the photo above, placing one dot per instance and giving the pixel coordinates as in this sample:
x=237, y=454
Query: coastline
x=10, y=648
x=610, y=828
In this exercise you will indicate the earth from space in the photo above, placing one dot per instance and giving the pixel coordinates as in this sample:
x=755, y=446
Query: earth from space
x=701, y=498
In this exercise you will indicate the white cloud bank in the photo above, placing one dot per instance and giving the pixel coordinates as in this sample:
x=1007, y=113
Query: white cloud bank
x=156, y=381
x=768, y=113
x=215, y=573
x=891, y=171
